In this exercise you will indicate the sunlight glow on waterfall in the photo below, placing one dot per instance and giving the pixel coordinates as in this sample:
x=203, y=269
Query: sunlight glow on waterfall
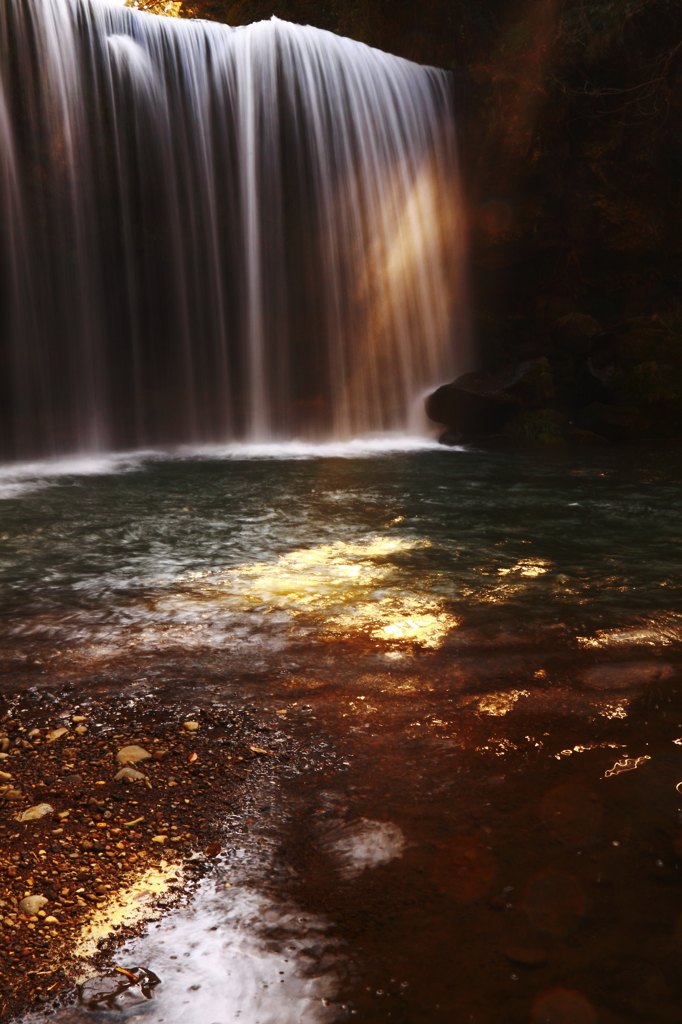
x=216, y=234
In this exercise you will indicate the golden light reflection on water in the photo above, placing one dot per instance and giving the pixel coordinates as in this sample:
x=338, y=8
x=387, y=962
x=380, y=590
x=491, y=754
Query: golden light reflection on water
x=501, y=703
x=356, y=586
x=527, y=567
x=127, y=907
x=656, y=632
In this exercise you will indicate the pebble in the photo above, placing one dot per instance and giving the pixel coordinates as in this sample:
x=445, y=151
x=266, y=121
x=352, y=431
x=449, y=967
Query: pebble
x=30, y=905
x=132, y=754
x=159, y=839
x=3, y=756
x=37, y=811
x=5, y=776
x=190, y=726
x=81, y=730
x=51, y=920
x=128, y=775
x=56, y=734
x=529, y=957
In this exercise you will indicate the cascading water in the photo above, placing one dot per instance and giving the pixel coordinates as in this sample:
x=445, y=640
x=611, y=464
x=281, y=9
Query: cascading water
x=214, y=233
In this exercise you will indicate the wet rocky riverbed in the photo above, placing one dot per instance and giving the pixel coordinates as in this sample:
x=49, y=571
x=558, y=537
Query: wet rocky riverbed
x=435, y=764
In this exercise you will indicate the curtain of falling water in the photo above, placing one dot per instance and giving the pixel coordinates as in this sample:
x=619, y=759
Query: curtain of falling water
x=214, y=233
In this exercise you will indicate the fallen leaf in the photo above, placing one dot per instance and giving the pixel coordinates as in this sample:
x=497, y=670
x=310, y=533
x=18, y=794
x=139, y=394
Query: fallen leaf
x=128, y=974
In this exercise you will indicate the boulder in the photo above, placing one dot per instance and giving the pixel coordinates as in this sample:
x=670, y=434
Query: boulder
x=480, y=403
x=573, y=334
x=541, y=426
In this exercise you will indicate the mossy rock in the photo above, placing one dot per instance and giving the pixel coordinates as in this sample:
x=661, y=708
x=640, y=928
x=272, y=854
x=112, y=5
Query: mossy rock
x=614, y=422
x=535, y=386
x=539, y=426
x=585, y=437
x=649, y=344
x=573, y=333
x=649, y=383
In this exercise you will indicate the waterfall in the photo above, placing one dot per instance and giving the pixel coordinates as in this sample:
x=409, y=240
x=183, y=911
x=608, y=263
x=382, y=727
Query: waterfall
x=212, y=233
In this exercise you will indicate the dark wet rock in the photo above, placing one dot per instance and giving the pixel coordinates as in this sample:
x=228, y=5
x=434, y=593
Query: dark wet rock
x=450, y=438
x=544, y=426
x=574, y=332
x=613, y=422
x=480, y=403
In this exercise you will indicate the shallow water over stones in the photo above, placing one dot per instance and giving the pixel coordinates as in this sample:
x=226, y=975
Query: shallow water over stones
x=478, y=656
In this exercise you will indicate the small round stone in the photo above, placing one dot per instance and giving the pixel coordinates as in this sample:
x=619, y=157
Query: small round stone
x=30, y=905
x=132, y=754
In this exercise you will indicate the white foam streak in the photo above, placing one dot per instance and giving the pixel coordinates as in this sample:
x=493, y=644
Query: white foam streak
x=18, y=478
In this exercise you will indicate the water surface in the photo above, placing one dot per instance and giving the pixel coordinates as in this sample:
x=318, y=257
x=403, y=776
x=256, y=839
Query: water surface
x=481, y=651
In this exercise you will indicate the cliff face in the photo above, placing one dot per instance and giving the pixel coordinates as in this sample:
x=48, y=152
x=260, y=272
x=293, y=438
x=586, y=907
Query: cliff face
x=571, y=145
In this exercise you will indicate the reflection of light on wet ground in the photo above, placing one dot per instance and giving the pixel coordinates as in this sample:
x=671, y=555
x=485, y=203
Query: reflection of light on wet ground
x=527, y=567
x=614, y=710
x=501, y=703
x=235, y=955
x=363, y=844
x=355, y=585
x=659, y=632
x=627, y=764
x=127, y=907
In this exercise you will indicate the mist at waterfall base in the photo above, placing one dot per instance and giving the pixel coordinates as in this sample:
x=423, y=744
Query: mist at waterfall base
x=213, y=234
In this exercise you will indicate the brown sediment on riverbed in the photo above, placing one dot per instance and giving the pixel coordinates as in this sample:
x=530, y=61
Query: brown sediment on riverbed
x=106, y=854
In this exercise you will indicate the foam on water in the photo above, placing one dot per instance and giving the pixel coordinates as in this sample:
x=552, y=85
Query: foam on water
x=18, y=478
